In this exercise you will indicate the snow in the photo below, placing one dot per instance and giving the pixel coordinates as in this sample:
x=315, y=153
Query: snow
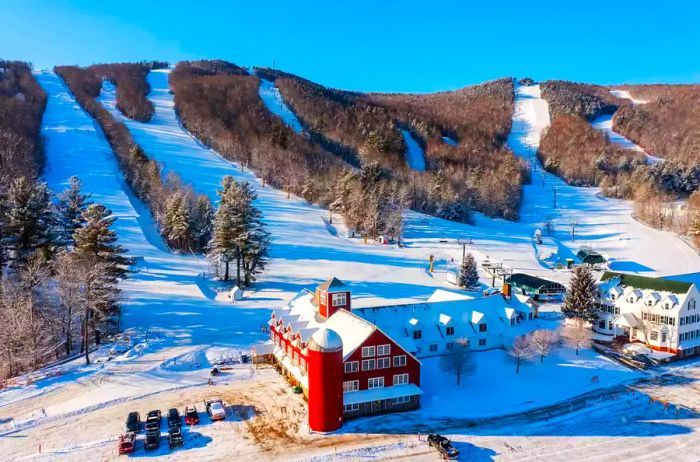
x=181, y=325
x=604, y=123
x=626, y=95
x=450, y=141
x=415, y=158
x=272, y=98
x=375, y=394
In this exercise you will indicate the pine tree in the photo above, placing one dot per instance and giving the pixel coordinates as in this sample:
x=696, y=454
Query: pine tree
x=177, y=223
x=223, y=244
x=70, y=206
x=202, y=222
x=469, y=274
x=580, y=300
x=28, y=219
x=96, y=238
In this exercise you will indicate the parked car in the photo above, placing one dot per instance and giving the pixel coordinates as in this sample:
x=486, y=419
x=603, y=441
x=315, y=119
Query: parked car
x=215, y=408
x=443, y=446
x=153, y=421
x=175, y=437
x=174, y=420
x=191, y=415
x=126, y=443
x=133, y=422
x=152, y=440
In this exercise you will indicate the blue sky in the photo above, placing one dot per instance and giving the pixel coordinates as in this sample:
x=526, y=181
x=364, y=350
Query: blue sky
x=380, y=45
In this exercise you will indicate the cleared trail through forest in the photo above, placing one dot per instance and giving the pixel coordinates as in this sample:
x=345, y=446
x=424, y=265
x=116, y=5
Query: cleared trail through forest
x=164, y=293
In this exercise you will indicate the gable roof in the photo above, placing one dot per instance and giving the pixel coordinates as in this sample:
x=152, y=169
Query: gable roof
x=332, y=283
x=643, y=282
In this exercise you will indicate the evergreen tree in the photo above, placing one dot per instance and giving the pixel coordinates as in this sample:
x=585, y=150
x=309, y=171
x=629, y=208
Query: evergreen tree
x=96, y=238
x=239, y=233
x=223, y=244
x=469, y=275
x=70, y=206
x=580, y=300
x=28, y=218
x=202, y=222
x=177, y=223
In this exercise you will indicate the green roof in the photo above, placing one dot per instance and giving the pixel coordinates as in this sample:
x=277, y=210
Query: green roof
x=643, y=282
x=522, y=279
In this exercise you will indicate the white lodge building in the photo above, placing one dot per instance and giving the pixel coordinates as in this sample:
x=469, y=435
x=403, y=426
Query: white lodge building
x=660, y=313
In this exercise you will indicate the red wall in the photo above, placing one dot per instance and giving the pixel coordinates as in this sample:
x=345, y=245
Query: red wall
x=325, y=304
x=412, y=366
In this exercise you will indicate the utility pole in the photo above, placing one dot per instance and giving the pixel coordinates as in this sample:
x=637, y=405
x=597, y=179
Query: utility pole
x=464, y=243
x=573, y=222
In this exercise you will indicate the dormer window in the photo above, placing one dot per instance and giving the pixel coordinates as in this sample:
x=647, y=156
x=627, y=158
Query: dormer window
x=667, y=306
x=417, y=335
x=613, y=296
x=450, y=330
x=482, y=327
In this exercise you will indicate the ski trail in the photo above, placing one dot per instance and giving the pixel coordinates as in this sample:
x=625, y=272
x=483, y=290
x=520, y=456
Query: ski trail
x=272, y=98
x=603, y=223
x=415, y=157
x=604, y=123
x=303, y=251
x=165, y=293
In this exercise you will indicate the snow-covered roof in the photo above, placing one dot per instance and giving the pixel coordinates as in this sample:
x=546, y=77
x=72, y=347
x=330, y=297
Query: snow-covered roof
x=333, y=284
x=325, y=339
x=441, y=295
x=376, y=394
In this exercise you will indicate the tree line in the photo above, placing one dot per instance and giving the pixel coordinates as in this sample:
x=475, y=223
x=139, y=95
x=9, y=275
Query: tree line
x=184, y=217
x=132, y=87
x=475, y=173
x=61, y=264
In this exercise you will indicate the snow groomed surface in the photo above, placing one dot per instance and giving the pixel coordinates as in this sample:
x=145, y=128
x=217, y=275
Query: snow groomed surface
x=271, y=96
x=168, y=292
x=415, y=157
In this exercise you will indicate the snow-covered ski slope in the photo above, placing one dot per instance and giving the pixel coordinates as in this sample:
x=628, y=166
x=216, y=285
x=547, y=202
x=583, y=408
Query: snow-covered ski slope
x=604, y=123
x=415, y=157
x=306, y=249
x=167, y=293
x=603, y=223
x=272, y=98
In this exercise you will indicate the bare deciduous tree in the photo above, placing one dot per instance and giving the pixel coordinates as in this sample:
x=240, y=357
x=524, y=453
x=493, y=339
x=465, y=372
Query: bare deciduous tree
x=520, y=351
x=577, y=334
x=542, y=342
x=458, y=361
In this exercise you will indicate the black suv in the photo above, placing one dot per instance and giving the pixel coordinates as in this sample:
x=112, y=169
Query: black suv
x=153, y=421
x=133, y=422
x=174, y=418
x=175, y=437
x=152, y=440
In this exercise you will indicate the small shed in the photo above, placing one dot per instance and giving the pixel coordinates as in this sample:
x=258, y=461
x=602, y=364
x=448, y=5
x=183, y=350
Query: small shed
x=535, y=285
x=589, y=256
x=236, y=294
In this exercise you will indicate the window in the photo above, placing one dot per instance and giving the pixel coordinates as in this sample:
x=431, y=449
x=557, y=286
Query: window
x=302, y=364
x=512, y=321
x=351, y=385
x=433, y=347
x=399, y=361
x=610, y=325
x=482, y=327
x=450, y=330
x=367, y=351
x=383, y=350
x=449, y=345
x=417, y=334
x=482, y=342
x=383, y=363
x=401, y=400
x=352, y=407
x=368, y=364
x=401, y=379
x=654, y=335
x=352, y=366
x=340, y=299
x=601, y=324
x=375, y=382
x=663, y=337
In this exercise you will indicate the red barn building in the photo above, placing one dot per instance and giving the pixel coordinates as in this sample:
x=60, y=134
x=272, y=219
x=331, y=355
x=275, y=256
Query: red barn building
x=345, y=365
